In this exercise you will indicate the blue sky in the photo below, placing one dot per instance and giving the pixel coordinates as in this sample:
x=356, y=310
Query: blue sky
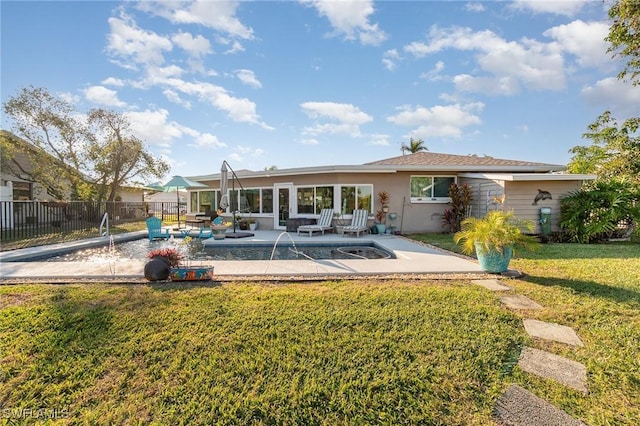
x=304, y=83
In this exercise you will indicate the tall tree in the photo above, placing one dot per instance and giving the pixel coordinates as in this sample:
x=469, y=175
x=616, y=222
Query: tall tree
x=615, y=151
x=624, y=37
x=77, y=156
x=117, y=155
x=51, y=126
x=415, y=145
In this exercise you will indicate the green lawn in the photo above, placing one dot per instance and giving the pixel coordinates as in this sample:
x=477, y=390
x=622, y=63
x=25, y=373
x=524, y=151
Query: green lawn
x=352, y=352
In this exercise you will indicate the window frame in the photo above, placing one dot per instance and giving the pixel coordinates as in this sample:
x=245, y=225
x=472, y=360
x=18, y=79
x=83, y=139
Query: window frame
x=431, y=198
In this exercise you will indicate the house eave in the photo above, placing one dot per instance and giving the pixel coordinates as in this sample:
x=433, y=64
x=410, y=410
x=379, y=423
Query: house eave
x=523, y=177
x=378, y=169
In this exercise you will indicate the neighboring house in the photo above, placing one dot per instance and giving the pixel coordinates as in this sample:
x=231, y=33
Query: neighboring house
x=417, y=184
x=22, y=188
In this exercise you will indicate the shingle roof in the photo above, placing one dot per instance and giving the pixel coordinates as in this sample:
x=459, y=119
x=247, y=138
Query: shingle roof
x=436, y=159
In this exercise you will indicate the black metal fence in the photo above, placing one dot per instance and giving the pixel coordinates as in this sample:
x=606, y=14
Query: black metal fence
x=32, y=219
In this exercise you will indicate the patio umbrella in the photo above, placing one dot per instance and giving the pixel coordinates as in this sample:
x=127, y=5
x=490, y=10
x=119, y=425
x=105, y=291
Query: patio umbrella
x=177, y=183
x=224, y=184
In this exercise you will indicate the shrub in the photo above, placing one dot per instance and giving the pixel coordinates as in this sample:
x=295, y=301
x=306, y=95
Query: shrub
x=172, y=255
x=599, y=212
x=460, y=202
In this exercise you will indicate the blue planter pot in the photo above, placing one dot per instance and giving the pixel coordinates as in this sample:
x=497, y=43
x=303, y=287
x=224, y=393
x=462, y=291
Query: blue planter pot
x=493, y=261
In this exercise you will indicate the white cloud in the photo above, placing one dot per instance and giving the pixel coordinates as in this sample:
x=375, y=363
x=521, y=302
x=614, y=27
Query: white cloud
x=379, y=140
x=351, y=19
x=152, y=127
x=69, y=97
x=174, y=97
x=195, y=46
x=343, y=112
x=533, y=64
x=623, y=99
x=557, y=7
x=207, y=140
x=390, y=58
x=474, y=7
x=310, y=141
x=505, y=86
x=113, y=81
x=346, y=118
x=439, y=120
x=219, y=15
x=585, y=40
x=130, y=42
x=102, y=96
x=248, y=77
x=434, y=74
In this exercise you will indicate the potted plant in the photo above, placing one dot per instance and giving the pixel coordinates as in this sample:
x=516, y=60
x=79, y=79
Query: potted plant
x=166, y=264
x=494, y=238
x=379, y=225
x=381, y=214
x=159, y=267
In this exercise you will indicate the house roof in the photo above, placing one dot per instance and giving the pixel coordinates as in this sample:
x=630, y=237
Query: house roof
x=421, y=162
x=436, y=159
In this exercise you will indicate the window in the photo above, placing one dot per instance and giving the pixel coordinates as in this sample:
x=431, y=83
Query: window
x=312, y=199
x=324, y=198
x=356, y=197
x=21, y=191
x=305, y=200
x=426, y=189
x=267, y=200
x=250, y=201
x=255, y=200
x=206, y=201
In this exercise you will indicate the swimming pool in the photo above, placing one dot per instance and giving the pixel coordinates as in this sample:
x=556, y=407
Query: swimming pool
x=196, y=251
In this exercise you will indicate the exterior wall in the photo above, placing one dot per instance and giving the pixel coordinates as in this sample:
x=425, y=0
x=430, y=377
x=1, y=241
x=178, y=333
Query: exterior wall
x=521, y=195
x=411, y=217
x=487, y=195
x=131, y=195
x=484, y=195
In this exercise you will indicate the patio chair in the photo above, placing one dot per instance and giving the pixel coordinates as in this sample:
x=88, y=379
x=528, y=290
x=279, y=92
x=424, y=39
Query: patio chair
x=358, y=223
x=154, y=228
x=324, y=223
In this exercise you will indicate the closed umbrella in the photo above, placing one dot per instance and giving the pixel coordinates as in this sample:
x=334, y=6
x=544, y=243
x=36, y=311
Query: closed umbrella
x=177, y=183
x=224, y=185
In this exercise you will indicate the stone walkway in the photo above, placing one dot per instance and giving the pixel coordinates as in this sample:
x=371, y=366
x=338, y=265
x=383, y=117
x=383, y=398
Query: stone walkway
x=517, y=406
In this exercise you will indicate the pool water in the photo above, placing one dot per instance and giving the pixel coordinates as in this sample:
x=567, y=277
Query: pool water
x=196, y=251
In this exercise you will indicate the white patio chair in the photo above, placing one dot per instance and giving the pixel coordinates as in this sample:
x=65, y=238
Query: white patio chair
x=324, y=224
x=358, y=223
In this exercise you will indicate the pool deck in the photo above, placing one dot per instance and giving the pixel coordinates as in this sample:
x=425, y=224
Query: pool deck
x=412, y=258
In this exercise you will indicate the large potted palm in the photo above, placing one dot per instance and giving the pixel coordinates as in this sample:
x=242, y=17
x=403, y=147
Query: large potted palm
x=494, y=238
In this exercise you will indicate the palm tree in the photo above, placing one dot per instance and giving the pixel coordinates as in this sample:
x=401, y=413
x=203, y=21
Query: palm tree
x=415, y=145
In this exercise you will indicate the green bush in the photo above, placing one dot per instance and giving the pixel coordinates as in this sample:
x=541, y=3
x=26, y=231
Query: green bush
x=600, y=212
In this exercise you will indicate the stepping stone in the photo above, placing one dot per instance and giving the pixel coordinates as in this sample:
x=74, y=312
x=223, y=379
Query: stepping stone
x=544, y=364
x=517, y=301
x=551, y=331
x=493, y=285
x=519, y=407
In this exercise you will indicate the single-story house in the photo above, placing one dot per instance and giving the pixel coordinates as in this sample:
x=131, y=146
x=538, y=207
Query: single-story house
x=417, y=184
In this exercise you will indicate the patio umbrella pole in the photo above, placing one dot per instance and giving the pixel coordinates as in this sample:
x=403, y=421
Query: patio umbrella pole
x=235, y=211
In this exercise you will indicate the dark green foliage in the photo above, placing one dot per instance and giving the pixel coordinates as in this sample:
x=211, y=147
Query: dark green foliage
x=598, y=213
x=460, y=201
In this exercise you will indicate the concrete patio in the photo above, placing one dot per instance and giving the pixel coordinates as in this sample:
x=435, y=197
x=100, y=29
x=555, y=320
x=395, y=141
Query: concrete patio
x=412, y=258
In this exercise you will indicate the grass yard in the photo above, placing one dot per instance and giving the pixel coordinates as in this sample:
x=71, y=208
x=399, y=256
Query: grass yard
x=251, y=353
x=330, y=353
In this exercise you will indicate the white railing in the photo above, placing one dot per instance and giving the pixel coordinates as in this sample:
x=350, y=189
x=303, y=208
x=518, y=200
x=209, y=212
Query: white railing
x=105, y=221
